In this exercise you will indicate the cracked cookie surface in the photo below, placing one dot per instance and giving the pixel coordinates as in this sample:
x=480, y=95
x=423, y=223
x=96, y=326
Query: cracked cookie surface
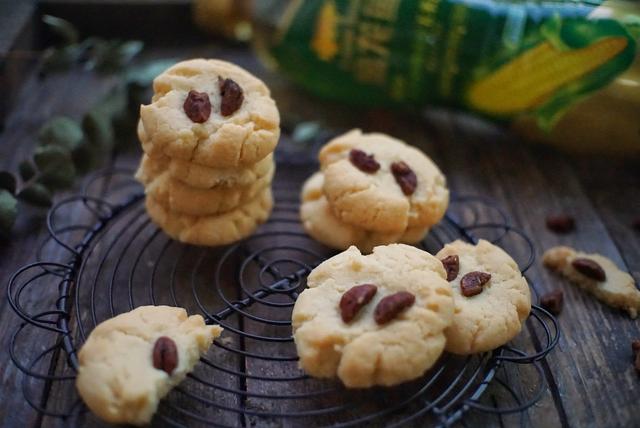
x=182, y=198
x=117, y=378
x=493, y=317
x=375, y=200
x=240, y=139
x=320, y=223
x=363, y=353
x=199, y=176
x=618, y=290
x=213, y=230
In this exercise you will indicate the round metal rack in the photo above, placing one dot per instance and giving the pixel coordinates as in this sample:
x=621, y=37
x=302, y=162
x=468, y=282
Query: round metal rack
x=104, y=257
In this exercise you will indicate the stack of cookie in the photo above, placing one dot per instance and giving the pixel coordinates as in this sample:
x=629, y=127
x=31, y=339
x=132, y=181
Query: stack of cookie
x=208, y=136
x=372, y=190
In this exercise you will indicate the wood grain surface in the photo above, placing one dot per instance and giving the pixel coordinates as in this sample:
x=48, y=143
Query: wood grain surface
x=590, y=377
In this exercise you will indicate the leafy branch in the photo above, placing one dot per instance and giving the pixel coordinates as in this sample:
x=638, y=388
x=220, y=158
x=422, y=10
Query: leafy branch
x=67, y=147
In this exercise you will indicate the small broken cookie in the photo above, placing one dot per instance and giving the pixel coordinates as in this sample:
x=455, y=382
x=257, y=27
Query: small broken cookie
x=596, y=274
x=130, y=362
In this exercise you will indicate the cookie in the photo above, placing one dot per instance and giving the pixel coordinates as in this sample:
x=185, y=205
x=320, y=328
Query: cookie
x=182, y=198
x=212, y=230
x=598, y=275
x=211, y=137
x=376, y=182
x=122, y=376
x=203, y=177
x=376, y=346
x=489, y=312
x=321, y=224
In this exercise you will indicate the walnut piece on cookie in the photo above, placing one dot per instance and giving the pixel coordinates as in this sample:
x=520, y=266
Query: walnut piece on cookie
x=244, y=136
x=617, y=289
x=408, y=337
x=406, y=190
x=130, y=362
x=321, y=224
x=492, y=317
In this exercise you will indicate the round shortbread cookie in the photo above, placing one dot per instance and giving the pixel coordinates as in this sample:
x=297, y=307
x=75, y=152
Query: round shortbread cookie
x=240, y=139
x=182, y=198
x=117, y=378
x=321, y=224
x=363, y=353
x=213, y=230
x=495, y=316
x=374, y=200
x=200, y=176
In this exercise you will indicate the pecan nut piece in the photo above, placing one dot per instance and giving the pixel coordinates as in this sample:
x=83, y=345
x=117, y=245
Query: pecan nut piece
x=231, y=96
x=364, y=162
x=390, y=306
x=355, y=299
x=561, y=223
x=197, y=106
x=552, y=301
x=405, y=177
x=165, y=355
x=451, y=266
x=589, y=268
x=472, y=283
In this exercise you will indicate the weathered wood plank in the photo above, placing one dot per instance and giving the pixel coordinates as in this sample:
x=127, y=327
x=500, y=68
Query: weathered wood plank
x=533, y=182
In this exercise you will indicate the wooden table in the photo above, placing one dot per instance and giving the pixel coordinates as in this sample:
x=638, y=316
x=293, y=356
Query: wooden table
x=590, y=376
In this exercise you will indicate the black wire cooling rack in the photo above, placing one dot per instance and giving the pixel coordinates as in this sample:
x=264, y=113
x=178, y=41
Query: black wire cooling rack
x=106, y=257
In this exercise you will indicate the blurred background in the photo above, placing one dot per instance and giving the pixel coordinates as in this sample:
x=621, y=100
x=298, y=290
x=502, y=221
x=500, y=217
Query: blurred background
x=562, y=72
x=533, y=104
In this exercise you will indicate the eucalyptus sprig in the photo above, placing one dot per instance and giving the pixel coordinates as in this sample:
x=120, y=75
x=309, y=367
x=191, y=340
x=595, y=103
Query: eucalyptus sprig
x=68, y=147
x=93, y=53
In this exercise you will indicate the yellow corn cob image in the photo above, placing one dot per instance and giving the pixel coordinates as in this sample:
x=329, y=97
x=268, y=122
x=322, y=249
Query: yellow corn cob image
x=530, y=79
x=324, y=42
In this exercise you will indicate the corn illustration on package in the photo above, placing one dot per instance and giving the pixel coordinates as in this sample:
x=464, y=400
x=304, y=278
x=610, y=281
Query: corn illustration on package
x=513, y=61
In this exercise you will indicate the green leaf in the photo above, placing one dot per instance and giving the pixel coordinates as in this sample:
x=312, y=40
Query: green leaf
x=128, y=50
x=84, y=158
x=27, y=170
x=62, y=28
x=60, y=59
x=113, y=55
x=97, y=50
x=8, y=212
x=305, y=132
x=36, y=194
x=63, y=132
x=125, y=130
x=55, y=165
x=138, y=81
x=143, y=75
x=8, y=182
x=98, y=126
